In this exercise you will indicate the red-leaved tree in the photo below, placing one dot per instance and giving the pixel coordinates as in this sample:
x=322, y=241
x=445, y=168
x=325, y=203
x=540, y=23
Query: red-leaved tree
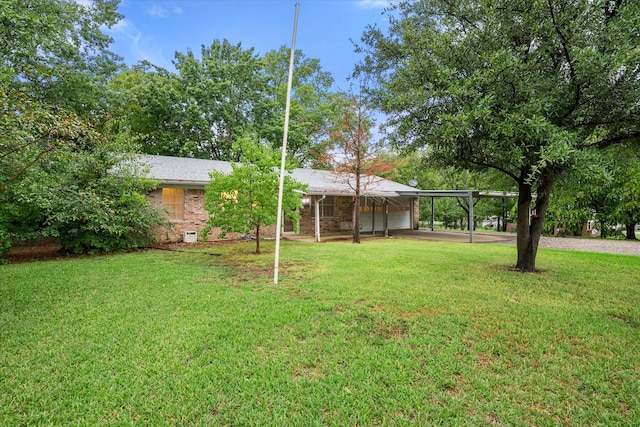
x=351, y=152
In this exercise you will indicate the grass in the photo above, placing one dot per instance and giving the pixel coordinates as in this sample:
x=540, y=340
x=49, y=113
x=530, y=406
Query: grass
x=389, y=332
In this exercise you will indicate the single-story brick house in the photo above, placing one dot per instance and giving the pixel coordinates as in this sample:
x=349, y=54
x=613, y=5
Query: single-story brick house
x=328, y=201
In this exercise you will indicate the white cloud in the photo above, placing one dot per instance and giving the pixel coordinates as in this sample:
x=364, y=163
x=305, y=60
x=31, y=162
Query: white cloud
x=123, y=27
x=125, y=31
x=372, y=4
x=162, y=12
x=140, y=47
x=158, y=11
x=84, y=3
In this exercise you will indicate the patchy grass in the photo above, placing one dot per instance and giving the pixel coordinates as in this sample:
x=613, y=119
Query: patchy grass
x=389, y=332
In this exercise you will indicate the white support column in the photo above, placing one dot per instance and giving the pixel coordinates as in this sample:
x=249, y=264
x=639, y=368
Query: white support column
x=317, y=223
x=385, y=217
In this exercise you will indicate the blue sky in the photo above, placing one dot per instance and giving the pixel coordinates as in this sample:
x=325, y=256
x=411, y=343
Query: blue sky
x=155, y=29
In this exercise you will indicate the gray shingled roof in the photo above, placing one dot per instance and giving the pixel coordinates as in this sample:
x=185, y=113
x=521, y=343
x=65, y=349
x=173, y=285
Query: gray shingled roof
x=182, y=170
x=195, y=172
x=338, y=184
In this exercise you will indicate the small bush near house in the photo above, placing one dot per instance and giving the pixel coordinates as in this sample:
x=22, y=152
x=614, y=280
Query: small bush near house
x=88, y=201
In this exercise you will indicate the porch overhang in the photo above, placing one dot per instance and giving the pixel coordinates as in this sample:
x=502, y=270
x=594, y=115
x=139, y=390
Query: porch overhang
x=183, y=183
x=337, y=193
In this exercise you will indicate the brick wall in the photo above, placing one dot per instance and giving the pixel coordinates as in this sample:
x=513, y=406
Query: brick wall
x=195, y=218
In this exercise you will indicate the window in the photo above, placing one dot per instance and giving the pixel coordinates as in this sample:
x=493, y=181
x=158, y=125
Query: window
x=173, y=203
x=326, y=207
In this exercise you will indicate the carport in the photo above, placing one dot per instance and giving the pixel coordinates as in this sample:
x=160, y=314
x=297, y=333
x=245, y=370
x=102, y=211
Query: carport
x=468, y=195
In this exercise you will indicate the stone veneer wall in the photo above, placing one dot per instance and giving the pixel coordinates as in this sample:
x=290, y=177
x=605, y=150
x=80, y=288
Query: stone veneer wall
x=195, y=218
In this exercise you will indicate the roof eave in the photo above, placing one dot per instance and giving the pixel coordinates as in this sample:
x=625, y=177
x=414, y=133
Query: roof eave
x=183, y=183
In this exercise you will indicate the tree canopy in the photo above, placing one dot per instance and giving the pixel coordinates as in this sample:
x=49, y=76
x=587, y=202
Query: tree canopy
x=523, y=87
x=54, y=156
x=247, y=198
x=56, y=52
x=608, y=190
x=210, y=102
x=349, y=149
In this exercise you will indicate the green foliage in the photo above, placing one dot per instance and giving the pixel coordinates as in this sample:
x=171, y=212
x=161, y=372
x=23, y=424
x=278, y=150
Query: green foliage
x=5, y=242
x=311, y=110
x=88, y=201
x=449, y=211
x=143, y=110
x=57, y=168
x=519, y=87
x=579, y=194
x=606, y=188
x=95, y=209
x=622, y=199
x=57, y=52
x=247, y=198
x=54, y=181
x=210, y=102
x=220, y=96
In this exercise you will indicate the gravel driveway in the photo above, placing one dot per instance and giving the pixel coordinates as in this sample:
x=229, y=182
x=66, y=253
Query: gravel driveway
x=626, y=247
x=594, y=244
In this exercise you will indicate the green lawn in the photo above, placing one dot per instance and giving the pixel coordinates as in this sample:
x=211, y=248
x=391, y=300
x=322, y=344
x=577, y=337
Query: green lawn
x=389, y=332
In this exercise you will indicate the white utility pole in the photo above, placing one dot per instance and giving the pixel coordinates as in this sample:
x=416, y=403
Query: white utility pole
x=284, y=148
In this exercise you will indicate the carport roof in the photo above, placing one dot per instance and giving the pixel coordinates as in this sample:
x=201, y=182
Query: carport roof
x=332, y=183
x=458, y=193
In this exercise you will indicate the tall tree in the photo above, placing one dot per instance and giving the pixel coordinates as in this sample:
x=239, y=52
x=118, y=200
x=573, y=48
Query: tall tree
x=615, y=197
x=56, y=52
x=53, y=58
x=581, y=192
x=624, y=194
x=522, y=87
x=143, y=110
x=221, y=98
x=352, y=152
x=211, y=102
x=606, y=189
x=311, y=105
x=54, y=157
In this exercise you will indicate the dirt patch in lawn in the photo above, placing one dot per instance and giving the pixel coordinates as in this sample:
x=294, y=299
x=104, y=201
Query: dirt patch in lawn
x=42, y=250
x=47, y=250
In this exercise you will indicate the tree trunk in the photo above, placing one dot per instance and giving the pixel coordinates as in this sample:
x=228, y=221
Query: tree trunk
x=631, y=231
x=356, y=207
x=356, y=218
x=529, y=231
x=258, y=239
